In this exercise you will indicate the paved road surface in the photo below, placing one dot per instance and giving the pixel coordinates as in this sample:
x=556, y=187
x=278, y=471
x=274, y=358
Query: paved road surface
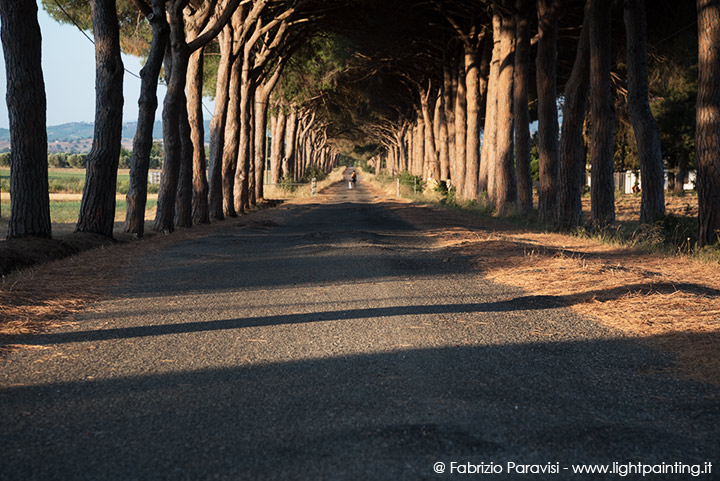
x=335, y=341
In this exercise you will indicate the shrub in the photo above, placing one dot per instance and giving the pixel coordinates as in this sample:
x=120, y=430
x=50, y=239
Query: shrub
x=57, y=160
x=77, y=161
x=5, y=159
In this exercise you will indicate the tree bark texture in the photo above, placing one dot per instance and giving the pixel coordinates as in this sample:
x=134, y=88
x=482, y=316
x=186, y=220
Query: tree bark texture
x=232, y=139
x=520, y=106
x=572, y=151
x=288, y=160
x=546, y=66
x=443, y=138
x=472, y=133
x=260, y=139
x=26, y=102
x=487, y=158
x=505, y=184
x=647, y=134
x=200, y=208
x=241, y=189
x=707, y=130
x=460, y=132
x=176, y=63
x=183, y=199
x=97, y=208
x=431, y=169
x=602, y=110
x=277, y=146
x=217, y=127
x=147, y=105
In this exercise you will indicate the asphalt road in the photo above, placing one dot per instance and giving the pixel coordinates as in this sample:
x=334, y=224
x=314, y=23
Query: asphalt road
x=334, y=341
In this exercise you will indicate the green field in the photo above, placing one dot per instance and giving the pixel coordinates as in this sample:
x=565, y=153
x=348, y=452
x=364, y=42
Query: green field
x=70, y=181
x=66, y=211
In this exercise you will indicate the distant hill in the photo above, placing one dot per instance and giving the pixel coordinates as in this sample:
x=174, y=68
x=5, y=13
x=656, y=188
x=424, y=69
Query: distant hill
x=77, y=136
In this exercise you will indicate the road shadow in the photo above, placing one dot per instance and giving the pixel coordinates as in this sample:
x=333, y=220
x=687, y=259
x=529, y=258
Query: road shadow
x=388, y=415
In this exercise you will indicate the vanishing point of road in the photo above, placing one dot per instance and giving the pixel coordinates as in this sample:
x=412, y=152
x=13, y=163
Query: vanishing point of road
x=334, y=340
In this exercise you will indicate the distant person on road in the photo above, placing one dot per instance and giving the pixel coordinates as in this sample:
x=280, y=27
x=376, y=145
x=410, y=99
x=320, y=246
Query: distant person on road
x=353, y=179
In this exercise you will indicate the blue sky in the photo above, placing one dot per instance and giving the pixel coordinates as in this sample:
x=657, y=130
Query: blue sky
x=69, y=70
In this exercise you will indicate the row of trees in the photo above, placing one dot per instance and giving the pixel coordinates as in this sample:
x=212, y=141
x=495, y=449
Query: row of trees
x=449, y=93
x=255, y=41
x=475, y=95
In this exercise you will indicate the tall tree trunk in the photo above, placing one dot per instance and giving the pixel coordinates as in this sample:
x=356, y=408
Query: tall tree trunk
x=546, y=66
x=488, y=158
x=444, y=147
x=276, y=147
x=602, y=189
x=217, y=126
x=472, y=139
x=241, y=188
x=288, y=161
x=572, y=148
x=147, y=104
x=260, y=139
x=647, y=134
x=520, y=105
x=26, y=102
x=183, y=198
x=505, y=185
x=707, y=131
x=460, y=131
x=431, y=168
x=97, y=209
x=419, y=149
x=449, y=117
x=232, y=139
x=200, y=209
x=176, y=62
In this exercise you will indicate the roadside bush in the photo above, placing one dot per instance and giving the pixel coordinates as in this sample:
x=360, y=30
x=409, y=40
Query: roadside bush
x=315, y=172
x=58, y=160
x=5, y=159
x=411, y=181
x=77, y=161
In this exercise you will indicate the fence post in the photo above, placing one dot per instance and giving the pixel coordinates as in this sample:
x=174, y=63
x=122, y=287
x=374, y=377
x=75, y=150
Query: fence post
x=414, y=185
x=397, y=189
x=314, y=186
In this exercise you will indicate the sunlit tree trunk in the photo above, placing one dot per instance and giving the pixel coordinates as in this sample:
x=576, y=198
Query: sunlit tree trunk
x=460, y=132
x=505, y=184
x=707, y=131
x=217, y=126
x=26, y=102
x=288, y=160
x=472, y=132
x=487, y=158
x=232, y=139
x=200, y=210
x=97, y=209
x=147, y=105
x=277, y=145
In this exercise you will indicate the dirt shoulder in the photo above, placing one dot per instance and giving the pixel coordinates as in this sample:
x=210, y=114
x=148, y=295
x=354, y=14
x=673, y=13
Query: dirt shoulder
x=669, y=302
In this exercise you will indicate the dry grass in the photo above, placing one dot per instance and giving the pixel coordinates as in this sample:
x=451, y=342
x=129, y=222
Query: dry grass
x=304, y=190
x=669, y=302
